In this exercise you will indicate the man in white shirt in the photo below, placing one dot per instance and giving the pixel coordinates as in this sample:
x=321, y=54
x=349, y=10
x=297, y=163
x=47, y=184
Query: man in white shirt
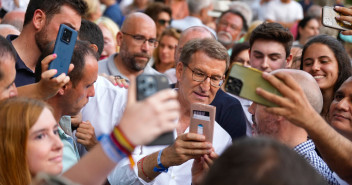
x=285, y=12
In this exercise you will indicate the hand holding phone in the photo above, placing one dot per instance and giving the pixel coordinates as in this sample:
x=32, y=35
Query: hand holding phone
x=64, y=46
x=202, y=120
x=148, y=85
x=329, y=15
x=243, y=81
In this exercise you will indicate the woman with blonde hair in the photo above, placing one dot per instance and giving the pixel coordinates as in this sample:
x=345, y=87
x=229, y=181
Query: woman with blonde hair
x=109, y=29
x=29, y=141
x=164, y=57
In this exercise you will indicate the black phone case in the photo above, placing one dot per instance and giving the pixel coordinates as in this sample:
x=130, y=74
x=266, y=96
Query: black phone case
x=148, y=85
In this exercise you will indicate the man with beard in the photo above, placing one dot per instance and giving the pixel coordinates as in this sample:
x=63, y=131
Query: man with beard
x=41, y=25
x=231, y=26
x=137, y=40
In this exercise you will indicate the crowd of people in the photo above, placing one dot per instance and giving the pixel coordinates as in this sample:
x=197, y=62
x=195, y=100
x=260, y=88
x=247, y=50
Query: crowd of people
x=87, y=127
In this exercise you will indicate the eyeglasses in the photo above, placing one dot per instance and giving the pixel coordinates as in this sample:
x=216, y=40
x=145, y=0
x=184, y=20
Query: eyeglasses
x=163, y=22
x=140, y=39
x=199, y=76
x=232, y=26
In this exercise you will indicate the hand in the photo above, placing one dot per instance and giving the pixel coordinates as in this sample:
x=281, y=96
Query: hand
x=85, y=135
x=294, y=104
x=116, y=80
x=346, y=16
x=76, y=120
x=186, y=146
x=201, y=167
x=48, y=84
x=143, y=121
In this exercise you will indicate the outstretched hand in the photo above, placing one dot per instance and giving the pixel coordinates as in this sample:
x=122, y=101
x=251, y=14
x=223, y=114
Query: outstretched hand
x=346, y=15
x=293, y=104
x=143, y=121
x=49, y=85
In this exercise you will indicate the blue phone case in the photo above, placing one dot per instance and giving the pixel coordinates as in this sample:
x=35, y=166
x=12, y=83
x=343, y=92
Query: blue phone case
x=64, y=46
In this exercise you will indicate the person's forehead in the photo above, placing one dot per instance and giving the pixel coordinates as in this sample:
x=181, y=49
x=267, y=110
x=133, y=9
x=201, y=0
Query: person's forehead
x=68, y=16
x=141, y=26
x=268, y=47
x=346, y=86
x=196, y=34
x=232, y=16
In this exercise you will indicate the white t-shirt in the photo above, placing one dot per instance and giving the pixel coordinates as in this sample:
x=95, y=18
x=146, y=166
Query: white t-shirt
x=283, y=12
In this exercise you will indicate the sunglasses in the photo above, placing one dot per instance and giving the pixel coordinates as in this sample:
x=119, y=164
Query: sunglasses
x=163, y=21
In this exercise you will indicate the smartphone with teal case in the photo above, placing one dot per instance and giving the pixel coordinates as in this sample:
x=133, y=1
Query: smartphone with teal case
x=64, y=46
x=243, y=81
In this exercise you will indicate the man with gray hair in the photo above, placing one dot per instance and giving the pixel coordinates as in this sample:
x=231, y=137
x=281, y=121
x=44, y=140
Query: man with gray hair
x=200, y=73
x=288, y=133
x=198, y=15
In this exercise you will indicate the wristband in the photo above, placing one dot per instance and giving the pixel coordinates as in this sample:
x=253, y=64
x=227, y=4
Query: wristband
x=161, y=167
x=110, y=150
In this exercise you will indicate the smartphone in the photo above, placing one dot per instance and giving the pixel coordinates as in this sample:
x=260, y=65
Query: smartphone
x=64, y=46
x=202, y=120
x=329, y=20
x=148, y=85
x=243, y=81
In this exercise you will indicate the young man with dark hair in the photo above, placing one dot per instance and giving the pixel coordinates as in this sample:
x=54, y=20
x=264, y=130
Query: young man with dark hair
x=270, y=45
x=41, y=25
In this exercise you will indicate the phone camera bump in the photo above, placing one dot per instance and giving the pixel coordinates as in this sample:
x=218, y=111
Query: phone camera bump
x=66, y=36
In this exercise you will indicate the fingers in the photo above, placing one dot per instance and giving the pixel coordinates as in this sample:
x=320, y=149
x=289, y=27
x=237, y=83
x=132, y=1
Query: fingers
x=192, y=137
x=70, y=68
x=132, y=94
x=343, y=10
x=49, y=73
x=47, y=60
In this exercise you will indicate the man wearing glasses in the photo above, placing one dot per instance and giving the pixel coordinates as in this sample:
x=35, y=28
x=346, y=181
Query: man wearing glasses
x=137, y=40
x=200, y=73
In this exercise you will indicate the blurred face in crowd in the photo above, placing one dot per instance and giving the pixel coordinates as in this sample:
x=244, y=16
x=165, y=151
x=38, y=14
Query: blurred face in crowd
x=340, y=113
x=163, y=21
x=319, y=60
x=110, y=44
x=191, y=91
x=229, y=28
x=49, y=30
x=44, y=147
x=167, y=47
x=242, y=57
x=310, y=30
x=7, y=81
x=267, y=55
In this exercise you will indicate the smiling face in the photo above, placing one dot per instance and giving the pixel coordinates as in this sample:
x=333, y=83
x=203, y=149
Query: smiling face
x=267, y=55
x=320, y=61
x=340, y=113
x=49, y=31
x=191, y=91
x=44, y=147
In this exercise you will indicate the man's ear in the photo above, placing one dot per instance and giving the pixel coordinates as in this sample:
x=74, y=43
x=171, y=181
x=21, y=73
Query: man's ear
x=119, y=38
x=94, y=47
x=39, y=19
x=64, y=88
x=289, y=61
x=179, y=70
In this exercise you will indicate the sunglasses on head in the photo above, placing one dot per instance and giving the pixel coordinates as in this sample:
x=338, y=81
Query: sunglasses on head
x=163, y=21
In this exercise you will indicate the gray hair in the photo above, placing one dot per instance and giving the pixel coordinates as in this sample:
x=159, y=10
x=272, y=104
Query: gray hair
x=195, y=6
x=210, y=47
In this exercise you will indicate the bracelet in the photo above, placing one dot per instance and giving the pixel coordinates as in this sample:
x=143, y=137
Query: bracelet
x=162, y=168
x=141, y=164
x=110, y=150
